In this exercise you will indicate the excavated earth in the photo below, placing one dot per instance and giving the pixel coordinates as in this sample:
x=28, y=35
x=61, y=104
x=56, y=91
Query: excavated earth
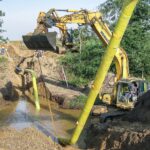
x=127, y=133
x=10, y=91
x=49, y=70
x=9, y=82
x=27, y=139
x=131, y=132
x=141, y=112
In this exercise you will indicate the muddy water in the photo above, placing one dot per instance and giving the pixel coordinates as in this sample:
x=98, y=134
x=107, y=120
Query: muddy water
x=23, y=114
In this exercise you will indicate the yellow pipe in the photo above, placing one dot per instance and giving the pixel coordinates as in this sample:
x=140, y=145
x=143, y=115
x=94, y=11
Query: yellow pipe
x=120, y=28
x=36, y=96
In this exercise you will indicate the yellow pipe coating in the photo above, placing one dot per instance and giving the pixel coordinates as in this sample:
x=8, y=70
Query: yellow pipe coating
x=36, y=96
x=120, y=28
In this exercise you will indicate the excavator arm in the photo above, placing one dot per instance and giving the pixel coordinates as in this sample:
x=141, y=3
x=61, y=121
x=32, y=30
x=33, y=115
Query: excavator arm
x=81, y=17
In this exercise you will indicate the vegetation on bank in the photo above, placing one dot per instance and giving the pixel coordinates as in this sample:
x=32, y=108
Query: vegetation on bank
x=3, y=59
x=1, y=22
x=81, y=67
x=78, y=102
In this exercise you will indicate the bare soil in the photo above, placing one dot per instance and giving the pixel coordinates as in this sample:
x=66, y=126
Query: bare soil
x=131, y=132
x=26, y=139
x=128, y=133
x=49, y=70
x=118, y=135
x=9, y=82
x=141, y=112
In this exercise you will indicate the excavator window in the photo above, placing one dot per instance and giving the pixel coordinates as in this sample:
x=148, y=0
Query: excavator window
x=124, y=92
x=127, y=92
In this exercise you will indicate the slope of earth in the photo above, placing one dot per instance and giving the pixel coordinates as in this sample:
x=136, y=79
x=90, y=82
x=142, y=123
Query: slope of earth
x=9, y=82
x=141, y=112
x=131, y=132
x=27, y=139
x=49, y=70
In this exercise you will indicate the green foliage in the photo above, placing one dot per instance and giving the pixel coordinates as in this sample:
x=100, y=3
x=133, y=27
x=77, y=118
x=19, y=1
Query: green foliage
x=137, y=36
x=82, y=67
x=136, y=40
x=78, y=102
x=111, y=10
x=3, y=63
x=1, y=22
x=3, y=59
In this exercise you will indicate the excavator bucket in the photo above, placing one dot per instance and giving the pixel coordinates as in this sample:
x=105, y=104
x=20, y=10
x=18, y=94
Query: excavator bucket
x=41, y=41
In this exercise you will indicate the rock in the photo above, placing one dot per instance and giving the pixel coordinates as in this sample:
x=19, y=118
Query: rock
x=97, y=110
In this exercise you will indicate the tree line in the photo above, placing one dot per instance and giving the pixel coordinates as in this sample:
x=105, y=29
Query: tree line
x=81, y=67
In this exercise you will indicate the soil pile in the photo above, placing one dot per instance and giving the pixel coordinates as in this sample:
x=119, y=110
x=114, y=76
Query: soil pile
x=118, y=135
x=122, y=134
x=8, y=79
x=141, y=112
x=26, y=139
x=49, y=70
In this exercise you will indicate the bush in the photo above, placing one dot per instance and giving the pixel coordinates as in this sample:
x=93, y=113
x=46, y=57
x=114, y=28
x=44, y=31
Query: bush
x=3, y=59
x=78, y=102
x=81, y=67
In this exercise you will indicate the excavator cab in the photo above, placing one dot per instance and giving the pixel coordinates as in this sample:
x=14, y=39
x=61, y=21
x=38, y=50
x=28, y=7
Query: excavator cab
x=128, y=92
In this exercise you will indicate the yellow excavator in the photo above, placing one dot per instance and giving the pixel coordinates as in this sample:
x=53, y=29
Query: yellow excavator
x=120, y=90
x=125, y=89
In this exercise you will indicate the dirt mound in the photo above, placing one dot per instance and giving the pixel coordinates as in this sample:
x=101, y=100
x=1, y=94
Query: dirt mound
x=126, y=140
x=121, y=137
x=141, y=112
x=28, y=138
x=49, y=70
x=9, y=80
x=17, y=50
x=122, y=134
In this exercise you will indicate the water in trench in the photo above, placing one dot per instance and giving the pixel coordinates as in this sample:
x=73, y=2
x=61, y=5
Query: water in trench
x=23, y=115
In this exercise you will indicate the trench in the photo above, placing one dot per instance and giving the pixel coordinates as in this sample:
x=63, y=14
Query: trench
x=23, y=115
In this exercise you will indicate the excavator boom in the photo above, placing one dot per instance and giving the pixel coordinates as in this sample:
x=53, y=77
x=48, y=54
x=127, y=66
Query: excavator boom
x=44, y=40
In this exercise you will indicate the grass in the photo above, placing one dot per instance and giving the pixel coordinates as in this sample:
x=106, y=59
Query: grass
x=3, y=59
x=78, y=102
x=76, y=81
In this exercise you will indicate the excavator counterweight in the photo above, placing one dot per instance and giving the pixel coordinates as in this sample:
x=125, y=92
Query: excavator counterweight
x=42, y=41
